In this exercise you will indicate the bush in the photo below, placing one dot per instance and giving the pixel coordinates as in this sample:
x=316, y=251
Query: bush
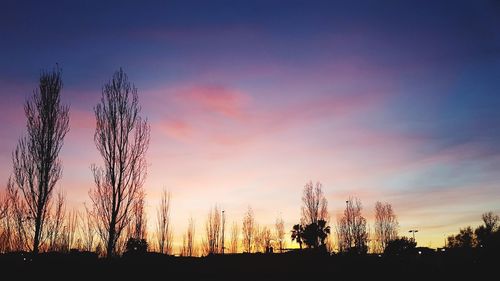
x=136, y=246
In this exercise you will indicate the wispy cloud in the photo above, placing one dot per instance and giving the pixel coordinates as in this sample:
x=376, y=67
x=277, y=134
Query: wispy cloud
x=217, y=99
x=228, y=115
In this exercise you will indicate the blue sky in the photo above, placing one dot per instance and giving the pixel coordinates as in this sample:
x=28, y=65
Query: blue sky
x=393, y=101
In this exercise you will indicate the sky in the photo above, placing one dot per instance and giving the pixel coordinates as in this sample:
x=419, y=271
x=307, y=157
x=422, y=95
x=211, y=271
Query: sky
x=393, y=101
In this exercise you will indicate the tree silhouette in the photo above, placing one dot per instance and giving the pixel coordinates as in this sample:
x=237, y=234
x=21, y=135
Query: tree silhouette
x=235, y=236
x=213, y=232
x=18, y=214
x=5, y=223
x=4, y=206
x=312, y=235
x=164, y=234
x=248, y=230
x=280, y=233
x=138, y=224
x=399, y=246
x=386, y=225
x=70, y=229
x=315, y=234
x=485, y=234
x=36, y=163
x=87, y=230
x=266, y=239
x=136, y=246
x=188, y=247
x=351, y=229
x=55, y=223
x=122, y=139
x=314, y=204
x=490, y=221
x=465, y=239
x=298, y=234
x=313, y=228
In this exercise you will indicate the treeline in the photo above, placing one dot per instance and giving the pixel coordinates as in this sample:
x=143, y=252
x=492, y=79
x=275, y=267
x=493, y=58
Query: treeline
x=34, y=217
x=485, y=236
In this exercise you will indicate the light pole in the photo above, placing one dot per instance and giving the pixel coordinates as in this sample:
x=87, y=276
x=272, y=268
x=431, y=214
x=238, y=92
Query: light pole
x=223, y=224
x=347, y=209
x=348, y=241
x=413, y=231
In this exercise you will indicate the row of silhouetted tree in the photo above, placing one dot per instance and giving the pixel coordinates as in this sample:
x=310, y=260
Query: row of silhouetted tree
x=34, y=216
x=34, y=219
x=485, y=236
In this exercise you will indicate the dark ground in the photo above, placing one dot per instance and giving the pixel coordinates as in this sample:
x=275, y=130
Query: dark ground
x=290, y=266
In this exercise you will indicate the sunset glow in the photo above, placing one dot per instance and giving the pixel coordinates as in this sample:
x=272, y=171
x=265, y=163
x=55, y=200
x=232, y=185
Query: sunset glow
x=250, y=100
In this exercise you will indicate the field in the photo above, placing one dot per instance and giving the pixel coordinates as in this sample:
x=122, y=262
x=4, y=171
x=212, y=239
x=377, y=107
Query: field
x=289, y=266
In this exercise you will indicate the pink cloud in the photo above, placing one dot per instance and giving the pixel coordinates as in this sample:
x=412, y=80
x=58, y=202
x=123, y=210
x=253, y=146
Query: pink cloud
x=216, y=99
x=177, y=129
x=225, y=115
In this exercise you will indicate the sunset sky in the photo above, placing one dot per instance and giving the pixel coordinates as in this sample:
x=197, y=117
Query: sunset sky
x=249, y=100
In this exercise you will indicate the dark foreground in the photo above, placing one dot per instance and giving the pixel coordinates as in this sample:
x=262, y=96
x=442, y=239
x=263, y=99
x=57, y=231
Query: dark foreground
x=290, y=266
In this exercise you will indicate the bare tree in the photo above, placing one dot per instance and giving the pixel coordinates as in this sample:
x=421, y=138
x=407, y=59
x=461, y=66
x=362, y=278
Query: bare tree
x=4, y=205
x=314, y=204
x=484, y=234
x=491, y=221
x=122, y=139
x=138, y=225
x=70, y=231
x=235, y=236
x=55, y=223
x=188, y=249
x=61, y=226
x=87, y=230
x=184, y=245
x=264, y=239
x=35, y=160
x=386, y=226
x=258, y=242
x=351, y=228
x=280, y=233
x=5, y=223
x=164, y=235
x=19, y=214
x=313, y=228
x=248, y=230
x=212, y=240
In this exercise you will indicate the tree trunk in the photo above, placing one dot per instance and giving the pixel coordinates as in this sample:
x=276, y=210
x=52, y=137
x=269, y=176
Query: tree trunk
x=38, y=224
x=111, y=239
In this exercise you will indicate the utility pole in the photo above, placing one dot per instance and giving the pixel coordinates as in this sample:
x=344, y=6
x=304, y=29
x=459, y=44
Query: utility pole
x=223, y=226
x=413, y=231
x=349, y=237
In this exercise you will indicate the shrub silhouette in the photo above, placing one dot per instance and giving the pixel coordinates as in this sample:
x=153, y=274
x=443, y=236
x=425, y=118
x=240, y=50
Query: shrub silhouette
x=313, y=234
x=400, y=246
x=465, y=239
x=137, y=246
x=298, y=234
